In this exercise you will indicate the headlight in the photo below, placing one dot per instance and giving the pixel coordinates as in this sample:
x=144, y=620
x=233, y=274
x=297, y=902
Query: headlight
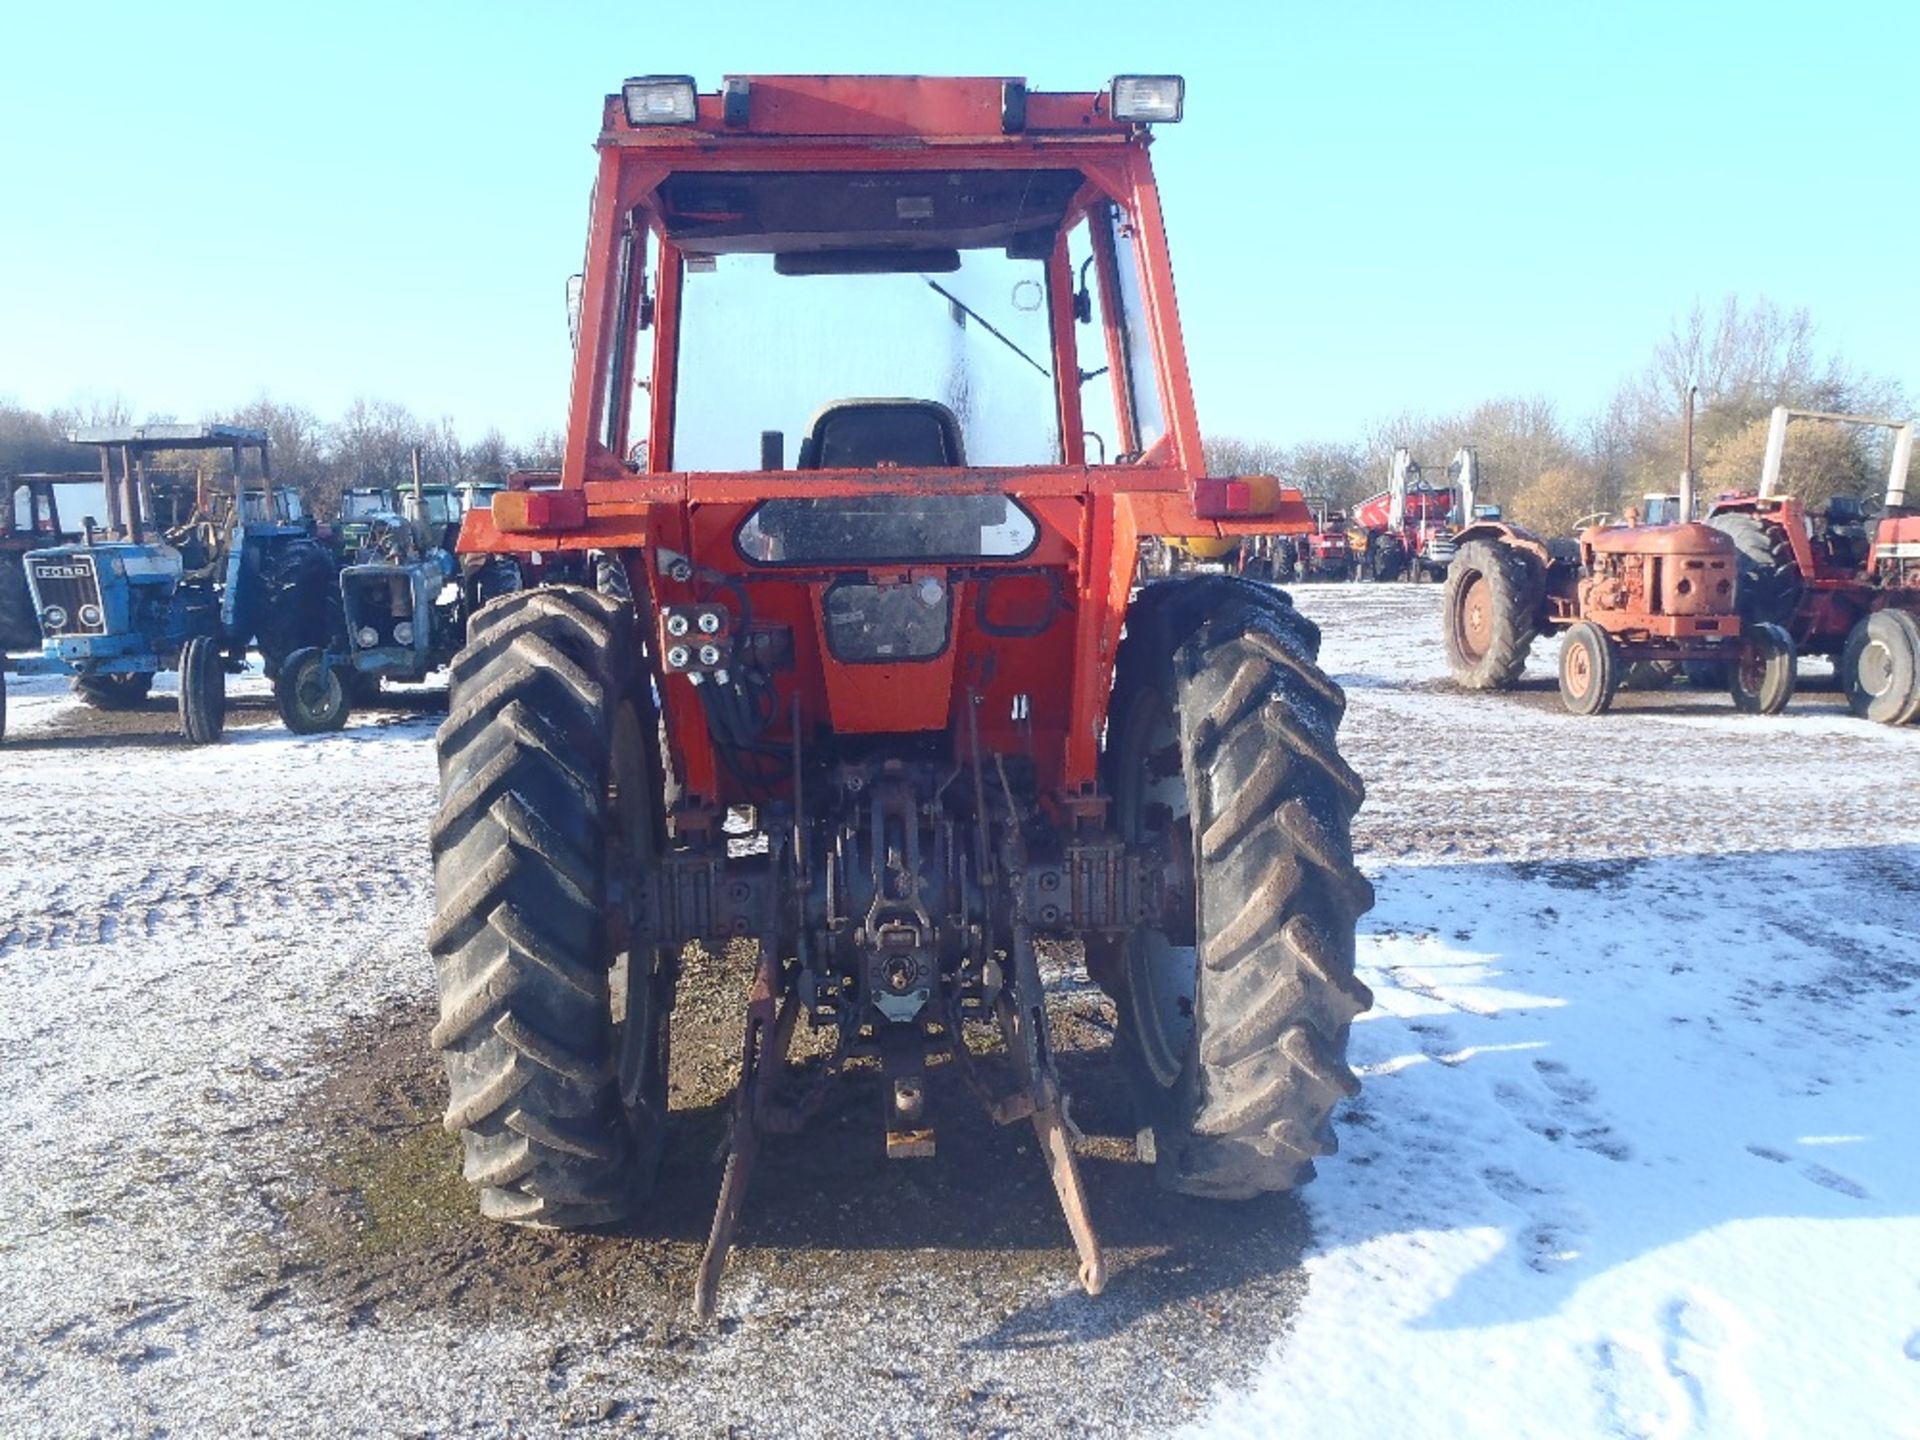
x=403, y=633
x=661, y=100
x=1144, y=98
x=366, y=637
x=53, y=617
x=89, y=615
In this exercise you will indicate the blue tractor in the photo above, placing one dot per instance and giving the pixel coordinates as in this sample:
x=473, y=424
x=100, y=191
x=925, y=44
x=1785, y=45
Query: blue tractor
x=181, y=576
x=405, y=599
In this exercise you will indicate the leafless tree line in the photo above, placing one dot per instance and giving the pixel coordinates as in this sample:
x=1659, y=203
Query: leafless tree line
x=1547, y=471
x=371, y=443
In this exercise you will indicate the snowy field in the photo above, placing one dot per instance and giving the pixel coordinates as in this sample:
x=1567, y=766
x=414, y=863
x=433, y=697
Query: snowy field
x=1637, y=1153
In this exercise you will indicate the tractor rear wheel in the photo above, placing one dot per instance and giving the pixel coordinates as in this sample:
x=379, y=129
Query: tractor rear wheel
x=203, y=691
x=19, y=621
x=1770, y=579
x=114, y=692
x=1761, y=677
x=1490, y=620
x=549, y=789
x=1881, y=668
x=300, y=604
x=1234, y=1008
x=1589, y=669
x=311, y=695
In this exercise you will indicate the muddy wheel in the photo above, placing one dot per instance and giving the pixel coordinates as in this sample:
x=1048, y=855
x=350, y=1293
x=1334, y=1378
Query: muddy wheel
x=1880, y=668
x=114, y=692
x=1761, y=677
x=1589, y=669
x=1235, y=1009
x=1489, y=609
x=1770, y=580
x=547, y=793
x=300, y=604
x=311, y=695
x=203, y=691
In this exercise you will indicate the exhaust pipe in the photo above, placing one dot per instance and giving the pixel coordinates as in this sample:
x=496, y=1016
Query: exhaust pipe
x=1686, y=473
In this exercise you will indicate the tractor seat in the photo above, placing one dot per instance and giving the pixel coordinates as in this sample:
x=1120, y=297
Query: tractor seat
x=865, y=434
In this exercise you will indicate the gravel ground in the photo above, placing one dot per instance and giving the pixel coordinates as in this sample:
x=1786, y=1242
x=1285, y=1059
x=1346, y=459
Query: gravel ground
x=226, y=1205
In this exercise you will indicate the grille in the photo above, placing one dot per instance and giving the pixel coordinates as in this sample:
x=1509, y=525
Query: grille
x=71, y=584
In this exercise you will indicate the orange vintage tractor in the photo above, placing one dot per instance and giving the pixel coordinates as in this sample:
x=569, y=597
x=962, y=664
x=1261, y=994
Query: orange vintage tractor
x=1838, y=588
x=1626, y=596
x=898, y=664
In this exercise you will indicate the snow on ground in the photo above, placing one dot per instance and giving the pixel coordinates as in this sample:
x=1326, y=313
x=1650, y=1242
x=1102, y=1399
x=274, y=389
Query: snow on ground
x=1637, y=1153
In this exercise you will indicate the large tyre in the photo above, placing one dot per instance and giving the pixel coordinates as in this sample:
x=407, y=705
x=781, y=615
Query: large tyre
x=312, y=696
x=1762, y=676
x=1589, y=669
x=300, y=606
x=1234, y=1013
x=19, y=622
x=1386, y=557
x=549, y=787
x=1881, y=668
x=1490, y=609
x=1770, y=579
x=203, y=691
x=114, y=692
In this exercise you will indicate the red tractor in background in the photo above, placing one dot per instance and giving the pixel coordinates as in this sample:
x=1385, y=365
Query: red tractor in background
x=1410, y=526
x=1325, y=552
x=1628, y=597
x=1838, y=588
x=871, y=706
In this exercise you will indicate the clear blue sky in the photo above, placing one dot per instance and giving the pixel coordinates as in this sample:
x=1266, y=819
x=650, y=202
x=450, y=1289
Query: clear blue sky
x=1373, y=206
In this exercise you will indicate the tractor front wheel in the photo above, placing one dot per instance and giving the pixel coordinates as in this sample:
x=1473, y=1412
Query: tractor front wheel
x=1490, y=622
x=203, y=691
x=549, y=791
x=1589, y=669
x=311, y=694
x=1235, y=1004
x=1761, y=678
x=114, y=692
x=1881, y=668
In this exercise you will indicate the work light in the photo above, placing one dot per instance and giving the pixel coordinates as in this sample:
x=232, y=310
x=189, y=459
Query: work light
x=1143, y=98
x=660, y=100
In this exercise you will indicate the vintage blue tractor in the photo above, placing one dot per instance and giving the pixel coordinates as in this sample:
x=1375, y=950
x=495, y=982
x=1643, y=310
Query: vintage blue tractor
x=180, y=577
x=404, y=601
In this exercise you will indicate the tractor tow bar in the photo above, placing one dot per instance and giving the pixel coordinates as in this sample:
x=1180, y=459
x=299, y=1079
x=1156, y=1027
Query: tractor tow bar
x=763, y=1059
x=1023, y=1021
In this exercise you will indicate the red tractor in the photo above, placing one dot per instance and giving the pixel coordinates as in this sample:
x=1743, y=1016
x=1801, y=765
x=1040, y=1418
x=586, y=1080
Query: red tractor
x=1325, y=551
x=1644, y=598
x=871, y=706
x=1838, y=588
x=1410, y=526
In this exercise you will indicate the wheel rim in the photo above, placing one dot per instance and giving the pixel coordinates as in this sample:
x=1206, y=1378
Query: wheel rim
x=1752, y=669
x=1163, y=969
x=1875, y=669
x=1476, y=616
x=1579, y=670
x=317, y=691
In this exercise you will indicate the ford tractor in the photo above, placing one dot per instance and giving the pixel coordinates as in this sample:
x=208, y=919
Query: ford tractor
x=179, y=578
x=864, y=682
x=404, y=602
